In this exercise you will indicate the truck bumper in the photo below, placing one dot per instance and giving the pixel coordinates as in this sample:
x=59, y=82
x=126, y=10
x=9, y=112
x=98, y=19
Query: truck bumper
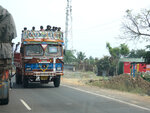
x=44, y=73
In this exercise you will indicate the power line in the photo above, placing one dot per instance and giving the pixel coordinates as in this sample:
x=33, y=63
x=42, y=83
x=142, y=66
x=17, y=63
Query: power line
x=101, y=26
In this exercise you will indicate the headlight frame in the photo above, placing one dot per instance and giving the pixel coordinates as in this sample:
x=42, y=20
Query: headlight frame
x=59, y=69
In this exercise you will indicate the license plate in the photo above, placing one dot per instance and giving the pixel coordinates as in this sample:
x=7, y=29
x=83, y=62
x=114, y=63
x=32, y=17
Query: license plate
x=44, y=74
x=44, y=77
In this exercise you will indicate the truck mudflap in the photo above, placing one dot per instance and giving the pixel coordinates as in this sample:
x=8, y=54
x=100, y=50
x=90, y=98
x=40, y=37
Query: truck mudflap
x=4, y=92
x=4, y=86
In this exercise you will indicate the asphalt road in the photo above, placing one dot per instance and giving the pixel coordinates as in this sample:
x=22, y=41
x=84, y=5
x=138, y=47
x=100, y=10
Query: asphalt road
x=65, y=99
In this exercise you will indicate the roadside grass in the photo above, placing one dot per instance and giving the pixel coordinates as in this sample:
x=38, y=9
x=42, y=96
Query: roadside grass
x=122, y=82
x=81, y=75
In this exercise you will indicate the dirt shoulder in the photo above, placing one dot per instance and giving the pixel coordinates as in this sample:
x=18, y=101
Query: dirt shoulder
x=141, y=100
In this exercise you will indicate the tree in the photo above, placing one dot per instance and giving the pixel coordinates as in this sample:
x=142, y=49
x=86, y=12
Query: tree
x=69, y=57
x=140, y=53
x=80, y=57
x=116, y=53
x=91, y=60
x=148, y=47
x=104, y=65
x=137, y=25
x=124, y=50
x=147, y=57
x=91, y=64
x=81, y=61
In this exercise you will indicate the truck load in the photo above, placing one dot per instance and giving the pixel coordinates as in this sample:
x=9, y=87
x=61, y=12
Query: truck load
x=7, y=33
x=40, y=58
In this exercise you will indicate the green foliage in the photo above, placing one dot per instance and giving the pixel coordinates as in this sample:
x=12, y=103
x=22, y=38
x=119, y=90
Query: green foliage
x=120, y=70
x=69, y=57
x=86, y=64
x=81, y=62
x=124, y=50
x=104, y=64
x=140, y=53
x=80, y=57
x=146, y=76
x=148, y=47
x=116, y=53
x=91, y=60
x=147, y=57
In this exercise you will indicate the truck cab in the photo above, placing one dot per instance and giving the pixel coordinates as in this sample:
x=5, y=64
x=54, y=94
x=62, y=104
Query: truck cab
x=40, y=58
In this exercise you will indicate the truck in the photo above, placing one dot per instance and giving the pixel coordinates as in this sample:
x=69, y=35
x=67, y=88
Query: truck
x=40, y=58
x=7, y=33
x=5, y=67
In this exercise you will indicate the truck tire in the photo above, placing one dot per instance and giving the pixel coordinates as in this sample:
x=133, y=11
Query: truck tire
x=56, y=81
x=25, y=82
x=5, y=101
x=18, y=77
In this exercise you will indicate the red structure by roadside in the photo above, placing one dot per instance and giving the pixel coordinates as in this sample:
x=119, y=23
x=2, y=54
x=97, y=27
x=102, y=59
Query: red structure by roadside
x=140, y=65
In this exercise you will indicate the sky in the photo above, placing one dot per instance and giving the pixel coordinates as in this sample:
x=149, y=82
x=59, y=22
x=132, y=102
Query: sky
x=94, y=22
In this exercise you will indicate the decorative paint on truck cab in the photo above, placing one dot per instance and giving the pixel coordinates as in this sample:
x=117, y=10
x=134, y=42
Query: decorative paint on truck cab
x=40, y=58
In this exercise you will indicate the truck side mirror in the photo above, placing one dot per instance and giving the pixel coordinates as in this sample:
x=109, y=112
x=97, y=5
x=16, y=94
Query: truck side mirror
x=21, y=50
x=64, y=52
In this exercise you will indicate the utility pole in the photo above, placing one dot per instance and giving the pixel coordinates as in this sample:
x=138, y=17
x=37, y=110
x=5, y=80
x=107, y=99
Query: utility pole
x=68, y=29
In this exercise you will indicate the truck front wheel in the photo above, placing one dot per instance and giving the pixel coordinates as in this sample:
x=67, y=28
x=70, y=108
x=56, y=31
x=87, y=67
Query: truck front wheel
x=18, y=77
x=25, y=82
x=5, y=101
x=56, y=81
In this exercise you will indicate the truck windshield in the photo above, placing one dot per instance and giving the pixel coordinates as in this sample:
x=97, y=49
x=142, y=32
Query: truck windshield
x=53, y=50
x=33, y=50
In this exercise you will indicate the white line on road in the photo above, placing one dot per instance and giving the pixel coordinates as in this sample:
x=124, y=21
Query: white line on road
x=104, y=96
x=25, y=104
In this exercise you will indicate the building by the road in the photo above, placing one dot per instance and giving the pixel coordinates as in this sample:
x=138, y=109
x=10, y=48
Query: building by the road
x=125, y=65
x=70, y=67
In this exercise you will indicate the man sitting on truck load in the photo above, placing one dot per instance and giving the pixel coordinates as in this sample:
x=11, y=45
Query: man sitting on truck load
x=41, y=28
x=33, y=29
x=48, y=28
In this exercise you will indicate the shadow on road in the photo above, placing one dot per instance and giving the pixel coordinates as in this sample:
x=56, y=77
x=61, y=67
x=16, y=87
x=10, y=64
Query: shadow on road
x=31, y=86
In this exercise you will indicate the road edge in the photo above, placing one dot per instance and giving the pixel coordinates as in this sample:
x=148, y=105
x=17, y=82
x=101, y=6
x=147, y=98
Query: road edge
x=107, y=97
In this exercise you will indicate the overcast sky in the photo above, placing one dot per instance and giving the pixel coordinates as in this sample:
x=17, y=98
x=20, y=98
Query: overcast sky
x=95, y=22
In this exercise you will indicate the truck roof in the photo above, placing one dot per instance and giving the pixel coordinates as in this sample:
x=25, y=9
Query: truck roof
x=42, y=37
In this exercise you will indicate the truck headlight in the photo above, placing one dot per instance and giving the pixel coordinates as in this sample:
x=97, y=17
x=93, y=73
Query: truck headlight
x=58, y=68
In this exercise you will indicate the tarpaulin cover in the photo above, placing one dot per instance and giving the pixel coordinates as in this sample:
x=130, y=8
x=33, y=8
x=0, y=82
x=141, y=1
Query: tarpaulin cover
x=5, y=50
x=7, y=33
